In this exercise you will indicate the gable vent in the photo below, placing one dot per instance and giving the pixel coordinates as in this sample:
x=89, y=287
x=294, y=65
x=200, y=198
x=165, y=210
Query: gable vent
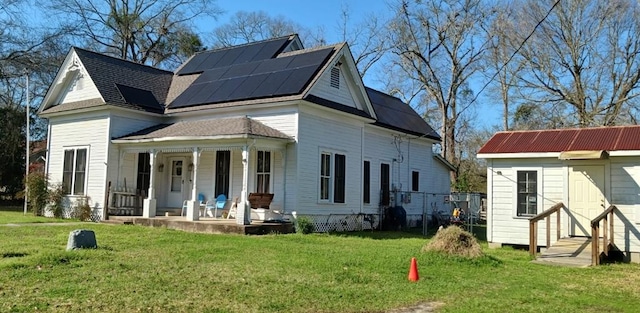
x=335, y=77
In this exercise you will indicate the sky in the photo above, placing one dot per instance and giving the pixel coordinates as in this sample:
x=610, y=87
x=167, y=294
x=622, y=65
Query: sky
x=326, y=14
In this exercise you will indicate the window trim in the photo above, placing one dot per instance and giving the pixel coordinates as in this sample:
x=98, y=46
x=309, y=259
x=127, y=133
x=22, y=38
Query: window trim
x=70, y=192
x=331, y=176
x=366, y=182
x=415, y=181
x=539, y=189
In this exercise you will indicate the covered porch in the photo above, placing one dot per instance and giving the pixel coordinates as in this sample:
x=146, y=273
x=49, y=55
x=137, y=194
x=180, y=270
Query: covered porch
x=204, y=170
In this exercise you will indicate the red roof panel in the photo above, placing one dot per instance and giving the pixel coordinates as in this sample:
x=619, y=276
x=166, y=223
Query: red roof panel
x=558, y=140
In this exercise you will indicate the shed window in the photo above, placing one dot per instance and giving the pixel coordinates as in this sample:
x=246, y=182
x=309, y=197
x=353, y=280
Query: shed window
x=415, y=181
x=527, y=185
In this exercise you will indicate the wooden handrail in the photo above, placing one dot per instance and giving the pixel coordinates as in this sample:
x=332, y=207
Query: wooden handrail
x=607, y=234
x=533, y=227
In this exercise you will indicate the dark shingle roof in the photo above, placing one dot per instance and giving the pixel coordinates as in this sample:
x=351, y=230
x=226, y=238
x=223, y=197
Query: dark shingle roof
x=106, y=72
x=233, y=127
x=394, y=114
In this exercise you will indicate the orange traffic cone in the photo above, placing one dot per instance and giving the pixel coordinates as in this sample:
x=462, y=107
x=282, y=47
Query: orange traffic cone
x=413, y=270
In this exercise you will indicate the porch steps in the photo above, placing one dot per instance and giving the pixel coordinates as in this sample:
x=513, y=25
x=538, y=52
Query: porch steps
x=570, y=252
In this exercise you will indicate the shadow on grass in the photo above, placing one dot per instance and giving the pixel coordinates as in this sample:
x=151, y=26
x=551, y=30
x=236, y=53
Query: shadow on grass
x=383, y=235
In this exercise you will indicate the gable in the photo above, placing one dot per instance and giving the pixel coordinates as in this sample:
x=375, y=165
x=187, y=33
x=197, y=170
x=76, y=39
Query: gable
x=72, y=84
x=341, y=83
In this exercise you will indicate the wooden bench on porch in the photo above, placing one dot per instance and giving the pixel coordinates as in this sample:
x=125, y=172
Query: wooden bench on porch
x=125, y=201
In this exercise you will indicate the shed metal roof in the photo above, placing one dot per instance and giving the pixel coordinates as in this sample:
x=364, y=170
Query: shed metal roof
x=615, y=138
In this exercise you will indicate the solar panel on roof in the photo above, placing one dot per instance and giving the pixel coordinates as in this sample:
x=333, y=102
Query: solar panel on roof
x=271, y=84
x=205, y=91
x=226, y=89
x=306, y=59
x=240, y=70
x=248, y=86
x=211, y=75
x=140, y=97
x=273, y=65
x=270, y=49
x=193, y=64
x=297, y=80
x=249, y=53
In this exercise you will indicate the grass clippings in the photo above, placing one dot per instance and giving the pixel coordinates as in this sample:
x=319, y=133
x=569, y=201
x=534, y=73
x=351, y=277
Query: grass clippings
x=454, y=241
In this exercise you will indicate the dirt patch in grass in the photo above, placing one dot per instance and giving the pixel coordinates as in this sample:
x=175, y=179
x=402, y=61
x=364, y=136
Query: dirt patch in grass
x=423, y=307
x=455, y=242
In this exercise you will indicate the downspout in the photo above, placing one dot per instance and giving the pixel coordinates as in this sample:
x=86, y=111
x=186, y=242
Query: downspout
x=362, y=169
x=105, y=205
x=284, y=179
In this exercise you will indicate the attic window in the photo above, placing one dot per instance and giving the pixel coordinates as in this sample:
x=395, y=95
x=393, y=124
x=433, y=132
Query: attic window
x=335, y=77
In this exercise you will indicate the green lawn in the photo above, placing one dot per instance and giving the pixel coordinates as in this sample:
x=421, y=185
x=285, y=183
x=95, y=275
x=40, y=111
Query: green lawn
x=18, y=217
x=158, y=270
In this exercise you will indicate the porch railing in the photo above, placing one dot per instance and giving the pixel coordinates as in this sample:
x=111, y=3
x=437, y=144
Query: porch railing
x=607, y=234
x=533, y=227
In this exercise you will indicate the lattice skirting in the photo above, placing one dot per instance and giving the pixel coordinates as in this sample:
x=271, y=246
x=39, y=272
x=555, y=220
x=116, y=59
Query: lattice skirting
x=343, y=222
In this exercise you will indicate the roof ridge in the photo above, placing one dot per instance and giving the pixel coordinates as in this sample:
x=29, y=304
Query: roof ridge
x=564, y=129
x=308, y=50
x=290, y=36
x=384, y=93
x=121, y=60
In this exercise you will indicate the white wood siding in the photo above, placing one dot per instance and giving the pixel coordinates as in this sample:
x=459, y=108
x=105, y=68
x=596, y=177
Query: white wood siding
x=81, y=130
x=340, y=95
x=508, y=228
x=625, y=194
x=284, y=122
x=82, y=89
x=121, y=125
x=315, y=135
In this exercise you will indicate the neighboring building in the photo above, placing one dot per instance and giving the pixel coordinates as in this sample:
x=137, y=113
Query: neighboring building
x=265, y=117
x=37, y=157
x=586, y=169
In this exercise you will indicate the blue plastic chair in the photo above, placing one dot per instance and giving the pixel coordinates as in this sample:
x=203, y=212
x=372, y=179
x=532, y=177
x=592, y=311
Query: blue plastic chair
x=221, y=201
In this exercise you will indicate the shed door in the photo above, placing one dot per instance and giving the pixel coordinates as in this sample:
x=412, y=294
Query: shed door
x=586, y=197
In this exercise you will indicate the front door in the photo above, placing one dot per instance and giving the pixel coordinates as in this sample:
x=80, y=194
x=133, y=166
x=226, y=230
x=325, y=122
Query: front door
x=586, y=197
x=177, y=178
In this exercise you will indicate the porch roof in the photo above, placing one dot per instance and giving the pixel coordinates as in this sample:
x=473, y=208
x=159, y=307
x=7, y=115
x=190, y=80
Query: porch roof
x=239, y=127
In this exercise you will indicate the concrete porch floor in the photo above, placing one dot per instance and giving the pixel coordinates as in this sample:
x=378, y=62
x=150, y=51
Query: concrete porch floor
x=206, y=225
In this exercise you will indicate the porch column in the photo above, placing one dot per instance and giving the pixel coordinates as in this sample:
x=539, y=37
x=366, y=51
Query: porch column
x=149, y=204
x=193, y=205
x=242, y=214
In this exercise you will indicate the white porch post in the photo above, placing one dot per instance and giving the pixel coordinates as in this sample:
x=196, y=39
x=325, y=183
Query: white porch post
x=193, y=205
x=149, y=204
x=242, y=216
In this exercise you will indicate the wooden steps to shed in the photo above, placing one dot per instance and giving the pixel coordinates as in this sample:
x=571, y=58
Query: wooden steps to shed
x=572, y=252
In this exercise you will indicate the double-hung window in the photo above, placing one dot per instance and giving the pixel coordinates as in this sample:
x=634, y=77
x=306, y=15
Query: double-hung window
x=263, y=171
x=527, y=193
x=74, y=171
x=332, y=177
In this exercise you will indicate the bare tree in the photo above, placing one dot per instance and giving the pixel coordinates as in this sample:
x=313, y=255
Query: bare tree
x=499, y=65
x=258, y=25
x=440, y=45
x=584, y=55
x=143, y=31
x=366, y=38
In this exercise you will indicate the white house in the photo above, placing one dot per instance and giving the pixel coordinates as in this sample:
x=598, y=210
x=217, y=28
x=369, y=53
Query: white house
x=587, y=170
x=266, y=117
